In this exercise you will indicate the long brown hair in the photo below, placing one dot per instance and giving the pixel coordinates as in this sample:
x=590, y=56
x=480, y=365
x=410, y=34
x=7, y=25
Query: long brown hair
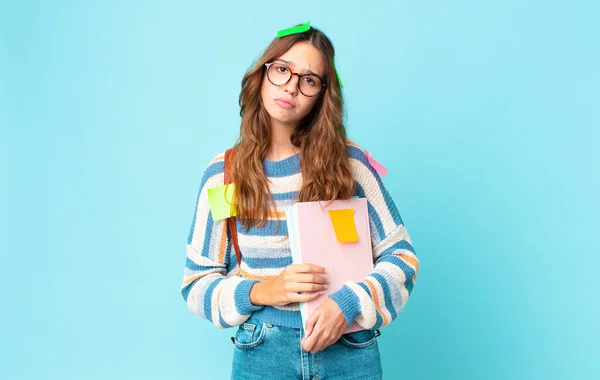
x=321, y=137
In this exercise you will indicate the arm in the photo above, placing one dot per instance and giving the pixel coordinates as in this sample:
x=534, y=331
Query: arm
x=378, y=299
x=211, y=287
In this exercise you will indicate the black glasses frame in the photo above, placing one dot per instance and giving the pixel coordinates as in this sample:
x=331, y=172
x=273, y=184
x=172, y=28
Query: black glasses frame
x=323, y=85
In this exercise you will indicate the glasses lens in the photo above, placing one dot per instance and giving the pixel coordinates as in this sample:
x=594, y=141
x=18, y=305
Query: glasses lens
x=310, y=85
x=278, y=74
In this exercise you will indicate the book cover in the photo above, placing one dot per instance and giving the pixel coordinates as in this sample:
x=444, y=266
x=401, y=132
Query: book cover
x=316, y=237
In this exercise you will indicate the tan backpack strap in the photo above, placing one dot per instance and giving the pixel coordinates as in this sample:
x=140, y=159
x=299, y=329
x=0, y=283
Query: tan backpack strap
x=229, y=156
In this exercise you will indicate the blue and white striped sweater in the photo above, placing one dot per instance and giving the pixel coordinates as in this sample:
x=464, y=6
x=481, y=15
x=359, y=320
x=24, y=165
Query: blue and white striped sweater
x=215, y=287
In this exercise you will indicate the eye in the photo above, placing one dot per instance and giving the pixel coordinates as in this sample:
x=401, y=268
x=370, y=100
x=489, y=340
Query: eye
x=310, y=80
x=281, y=69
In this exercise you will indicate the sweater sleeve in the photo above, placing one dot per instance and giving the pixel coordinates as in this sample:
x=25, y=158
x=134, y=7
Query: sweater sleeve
x=211, y=287
x=376, y=300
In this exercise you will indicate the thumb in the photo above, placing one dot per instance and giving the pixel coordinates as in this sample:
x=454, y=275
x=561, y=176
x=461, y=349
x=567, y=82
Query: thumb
x=310, y=323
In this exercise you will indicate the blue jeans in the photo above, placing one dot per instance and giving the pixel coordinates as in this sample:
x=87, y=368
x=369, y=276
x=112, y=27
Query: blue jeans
x=268, y=352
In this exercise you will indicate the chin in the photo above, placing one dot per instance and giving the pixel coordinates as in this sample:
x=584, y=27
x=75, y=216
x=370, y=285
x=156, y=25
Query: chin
x=286, y=121
x=282, y=119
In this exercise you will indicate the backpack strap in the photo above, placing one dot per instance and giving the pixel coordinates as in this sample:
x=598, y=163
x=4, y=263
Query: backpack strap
x=229, y=155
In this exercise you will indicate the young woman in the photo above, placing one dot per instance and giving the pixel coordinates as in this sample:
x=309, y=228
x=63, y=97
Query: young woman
x=293, y=148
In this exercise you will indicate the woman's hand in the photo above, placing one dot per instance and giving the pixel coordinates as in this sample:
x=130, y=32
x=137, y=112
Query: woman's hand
x=324, y=327
x=284, y=288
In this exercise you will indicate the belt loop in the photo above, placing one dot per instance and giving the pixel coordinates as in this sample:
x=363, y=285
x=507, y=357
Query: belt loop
x=377, y=332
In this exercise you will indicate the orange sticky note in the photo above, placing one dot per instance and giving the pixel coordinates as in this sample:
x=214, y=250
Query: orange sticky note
x=343, y=224
x=221, y=200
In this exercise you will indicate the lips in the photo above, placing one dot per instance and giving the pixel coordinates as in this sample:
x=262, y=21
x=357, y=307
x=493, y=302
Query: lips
x=284, y=103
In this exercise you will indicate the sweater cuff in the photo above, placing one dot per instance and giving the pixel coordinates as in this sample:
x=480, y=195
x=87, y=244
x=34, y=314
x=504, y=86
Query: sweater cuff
x=348, y=301
x=242, y=297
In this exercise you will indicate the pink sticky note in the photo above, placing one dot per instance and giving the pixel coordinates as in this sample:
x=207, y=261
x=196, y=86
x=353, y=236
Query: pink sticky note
x=376, y=165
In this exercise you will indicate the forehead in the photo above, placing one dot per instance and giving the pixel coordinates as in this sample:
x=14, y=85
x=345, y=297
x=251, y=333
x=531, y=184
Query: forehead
x=304, y=57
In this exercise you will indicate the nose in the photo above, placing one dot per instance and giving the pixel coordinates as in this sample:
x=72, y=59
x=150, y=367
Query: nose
x=292, y=86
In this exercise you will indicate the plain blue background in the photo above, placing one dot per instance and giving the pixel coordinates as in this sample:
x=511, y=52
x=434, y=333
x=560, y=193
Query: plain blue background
x=486, y=114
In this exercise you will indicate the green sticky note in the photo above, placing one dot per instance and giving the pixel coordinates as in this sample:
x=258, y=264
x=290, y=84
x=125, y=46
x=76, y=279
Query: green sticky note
x=343, y=224
x=293, y=30
x=336, y=73
x=221, y=200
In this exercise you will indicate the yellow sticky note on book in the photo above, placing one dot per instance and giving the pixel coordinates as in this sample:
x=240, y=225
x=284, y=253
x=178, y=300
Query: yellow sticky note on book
x=221, y=201
x=343, y=224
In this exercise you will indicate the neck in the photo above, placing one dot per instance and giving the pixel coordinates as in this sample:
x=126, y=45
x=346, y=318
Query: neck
x=281, y=146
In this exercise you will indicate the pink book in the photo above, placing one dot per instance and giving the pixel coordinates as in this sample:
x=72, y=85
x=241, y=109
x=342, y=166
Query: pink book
x=313, y=240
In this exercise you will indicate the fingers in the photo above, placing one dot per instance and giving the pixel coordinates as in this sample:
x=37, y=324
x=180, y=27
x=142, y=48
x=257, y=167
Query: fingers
x=309, y=268
x=306, y=278
x=295, y=279
x=321, y=342
x=309, y=341
x=295, y=297
x=318, y=339
x=304, y=287
x=310, y=278
x=310, y=323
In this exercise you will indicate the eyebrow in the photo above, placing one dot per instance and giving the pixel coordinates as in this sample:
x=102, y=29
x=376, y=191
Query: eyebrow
x=292, y=64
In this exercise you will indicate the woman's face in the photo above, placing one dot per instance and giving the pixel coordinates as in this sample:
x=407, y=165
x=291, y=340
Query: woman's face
x=285, y=103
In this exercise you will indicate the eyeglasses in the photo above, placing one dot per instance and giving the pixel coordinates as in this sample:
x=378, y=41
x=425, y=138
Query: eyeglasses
x=308, y=84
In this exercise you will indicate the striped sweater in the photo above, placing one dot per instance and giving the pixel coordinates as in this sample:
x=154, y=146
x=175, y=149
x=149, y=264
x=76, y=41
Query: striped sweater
x=216, y=287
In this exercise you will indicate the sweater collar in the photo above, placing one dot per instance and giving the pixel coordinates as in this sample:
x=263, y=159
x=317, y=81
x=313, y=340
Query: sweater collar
x=282, y=168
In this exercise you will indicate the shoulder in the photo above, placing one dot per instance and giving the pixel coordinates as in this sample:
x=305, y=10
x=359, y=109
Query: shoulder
x=359, y=160
x=219, y=158
x=214, y=170
x=216, y=163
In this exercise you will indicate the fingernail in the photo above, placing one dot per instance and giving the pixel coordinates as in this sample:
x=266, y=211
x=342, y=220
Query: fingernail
x=326, y=286
x=328, y=270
